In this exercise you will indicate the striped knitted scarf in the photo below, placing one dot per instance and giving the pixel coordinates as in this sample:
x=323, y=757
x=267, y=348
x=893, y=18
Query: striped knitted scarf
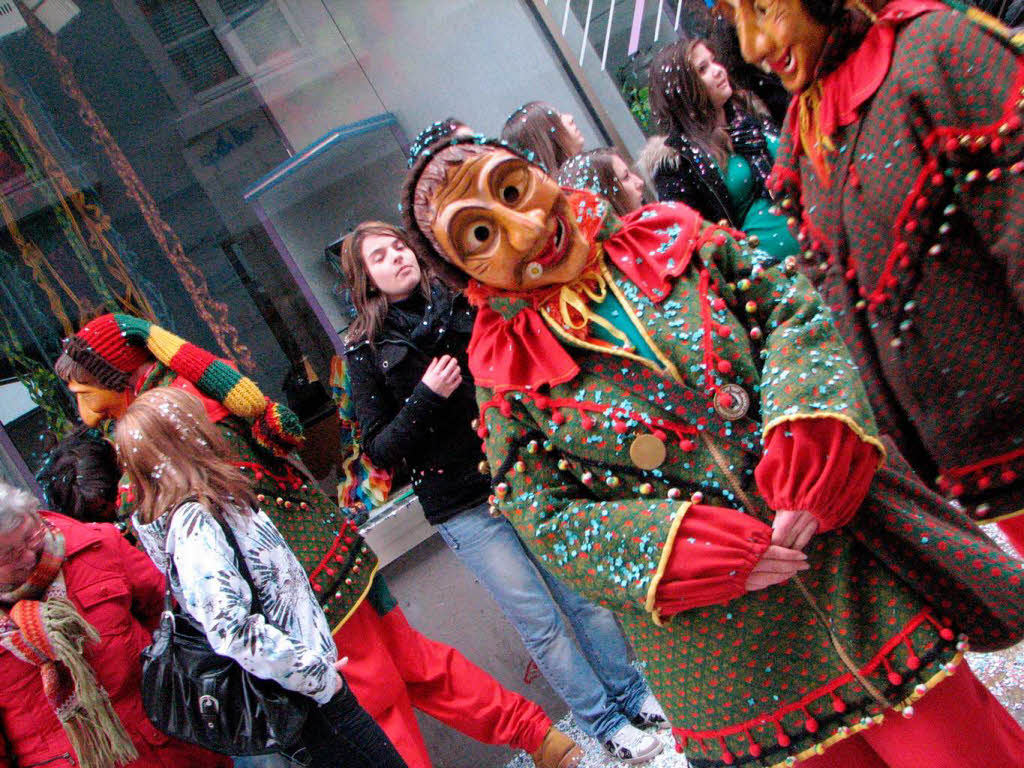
x=43, y=628
x=113, y=345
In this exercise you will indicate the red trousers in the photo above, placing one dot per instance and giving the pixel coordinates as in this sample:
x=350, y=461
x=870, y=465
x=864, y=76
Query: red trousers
x=957, y=724
x=1014, y=530
x=393, y=668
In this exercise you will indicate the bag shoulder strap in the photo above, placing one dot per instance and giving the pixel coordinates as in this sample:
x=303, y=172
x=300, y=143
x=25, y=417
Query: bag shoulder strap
x=255, y=603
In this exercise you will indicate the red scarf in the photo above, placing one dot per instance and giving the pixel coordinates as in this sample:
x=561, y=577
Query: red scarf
x=516, y=349
x=832, y=101
x=45, y=629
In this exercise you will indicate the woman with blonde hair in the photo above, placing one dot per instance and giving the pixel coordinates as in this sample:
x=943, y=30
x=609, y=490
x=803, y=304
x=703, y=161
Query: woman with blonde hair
x=190, y=498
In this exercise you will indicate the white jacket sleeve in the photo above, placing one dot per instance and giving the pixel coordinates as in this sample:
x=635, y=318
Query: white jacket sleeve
x=215, y=595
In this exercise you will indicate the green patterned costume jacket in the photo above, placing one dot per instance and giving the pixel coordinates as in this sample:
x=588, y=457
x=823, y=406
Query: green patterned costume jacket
x=915, y=241
x=340, y=565
x=756, y=679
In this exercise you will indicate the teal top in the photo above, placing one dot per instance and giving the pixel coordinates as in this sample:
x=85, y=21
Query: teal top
x=772, y=230
x=611, y=309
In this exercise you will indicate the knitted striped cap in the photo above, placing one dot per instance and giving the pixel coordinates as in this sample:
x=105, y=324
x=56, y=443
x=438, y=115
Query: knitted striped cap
x=111, y=347
x=101, y=348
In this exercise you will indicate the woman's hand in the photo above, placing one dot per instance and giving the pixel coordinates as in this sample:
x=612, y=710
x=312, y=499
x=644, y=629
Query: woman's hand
x=793, y=528
x=443, y=375
x=777, y=564
x=338, y=666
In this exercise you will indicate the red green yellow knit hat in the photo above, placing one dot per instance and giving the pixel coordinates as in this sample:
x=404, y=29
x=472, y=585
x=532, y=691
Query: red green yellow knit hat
x=112, y=347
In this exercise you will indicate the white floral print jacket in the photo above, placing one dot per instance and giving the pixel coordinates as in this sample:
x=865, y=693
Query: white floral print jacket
x=290, y=642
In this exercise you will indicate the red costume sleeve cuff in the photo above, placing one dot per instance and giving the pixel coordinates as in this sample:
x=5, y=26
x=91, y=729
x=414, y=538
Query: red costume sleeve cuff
x=708, y=555
x=821, y=465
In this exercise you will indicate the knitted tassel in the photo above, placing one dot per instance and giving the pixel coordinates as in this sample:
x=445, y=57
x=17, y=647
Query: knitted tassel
x=90, y=722
x=275, y=427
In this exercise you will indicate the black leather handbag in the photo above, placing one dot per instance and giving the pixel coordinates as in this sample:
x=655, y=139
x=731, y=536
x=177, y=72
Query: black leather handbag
x=196, y=695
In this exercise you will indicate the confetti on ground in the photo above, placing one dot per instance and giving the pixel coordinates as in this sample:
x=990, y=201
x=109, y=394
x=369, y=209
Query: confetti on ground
x=597, y=757
x=1003, y=671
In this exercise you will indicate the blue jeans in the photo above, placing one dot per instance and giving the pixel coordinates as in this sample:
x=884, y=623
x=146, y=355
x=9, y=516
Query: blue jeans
x=594, y=678
x=264, y=761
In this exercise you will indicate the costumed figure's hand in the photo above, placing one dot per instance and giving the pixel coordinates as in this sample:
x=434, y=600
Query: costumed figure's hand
x=777, y=564
x=443, y=375
x=793, y=528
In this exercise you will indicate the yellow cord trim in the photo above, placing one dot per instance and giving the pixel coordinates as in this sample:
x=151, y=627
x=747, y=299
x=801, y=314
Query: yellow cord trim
x=857, y=428
x=668, y=368
x=358, y=602
x=633, y=316
x=666, y=553
x=575, y=298
x=992, y=24
x=1000, y=518
x=934, y=680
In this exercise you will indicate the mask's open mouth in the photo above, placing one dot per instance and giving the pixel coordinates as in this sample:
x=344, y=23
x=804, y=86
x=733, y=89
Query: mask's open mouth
x=785, y=65
x=555, y=248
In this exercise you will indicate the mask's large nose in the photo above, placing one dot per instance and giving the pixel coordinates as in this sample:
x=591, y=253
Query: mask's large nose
x=753, y=42
x=523, y=228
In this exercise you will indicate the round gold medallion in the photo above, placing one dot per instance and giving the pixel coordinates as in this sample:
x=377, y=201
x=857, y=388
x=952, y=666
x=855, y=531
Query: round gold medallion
x=647, y=452
x=732, y=402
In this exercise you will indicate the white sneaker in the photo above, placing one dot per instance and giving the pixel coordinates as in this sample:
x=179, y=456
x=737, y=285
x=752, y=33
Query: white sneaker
x=633, y=746
x=651, y=715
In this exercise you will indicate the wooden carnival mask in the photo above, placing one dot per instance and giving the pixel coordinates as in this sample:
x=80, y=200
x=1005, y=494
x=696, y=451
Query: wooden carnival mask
x=504, y=222
x=95, y=404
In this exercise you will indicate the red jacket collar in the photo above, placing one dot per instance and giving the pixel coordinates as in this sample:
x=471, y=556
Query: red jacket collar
x=77, y=535
x=846, y=88
x=512, y=347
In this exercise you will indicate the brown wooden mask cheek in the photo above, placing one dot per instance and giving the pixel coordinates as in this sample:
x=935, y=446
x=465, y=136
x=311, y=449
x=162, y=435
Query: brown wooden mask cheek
x=502, y=214
x=96, y=404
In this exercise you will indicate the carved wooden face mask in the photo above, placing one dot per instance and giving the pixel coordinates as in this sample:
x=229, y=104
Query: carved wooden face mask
x=506, y=223
x=96, y=403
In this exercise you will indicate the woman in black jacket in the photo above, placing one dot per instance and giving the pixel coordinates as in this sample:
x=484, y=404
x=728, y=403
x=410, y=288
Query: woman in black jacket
x=415, y=403
x=718, y=149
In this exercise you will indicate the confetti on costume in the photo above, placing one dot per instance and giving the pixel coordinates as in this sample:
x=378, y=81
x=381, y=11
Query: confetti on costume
x=660, y=373
x=911, y=229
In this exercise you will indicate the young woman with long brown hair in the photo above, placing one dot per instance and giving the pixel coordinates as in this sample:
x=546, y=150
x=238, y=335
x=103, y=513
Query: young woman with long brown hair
x=551, y=136
x=718, y=146
x=189, y=494
x=605, y=173
x=415, y=403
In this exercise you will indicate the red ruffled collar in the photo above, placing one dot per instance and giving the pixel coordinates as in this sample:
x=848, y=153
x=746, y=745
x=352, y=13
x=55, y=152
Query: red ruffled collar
x=513, y=348
x=832, y=101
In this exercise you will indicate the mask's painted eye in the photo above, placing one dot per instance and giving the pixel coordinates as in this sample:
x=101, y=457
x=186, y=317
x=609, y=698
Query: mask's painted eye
x=476, y=236
x=511, y=183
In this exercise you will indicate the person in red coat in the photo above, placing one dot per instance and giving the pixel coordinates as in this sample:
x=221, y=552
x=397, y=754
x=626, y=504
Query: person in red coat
x=65, y=585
